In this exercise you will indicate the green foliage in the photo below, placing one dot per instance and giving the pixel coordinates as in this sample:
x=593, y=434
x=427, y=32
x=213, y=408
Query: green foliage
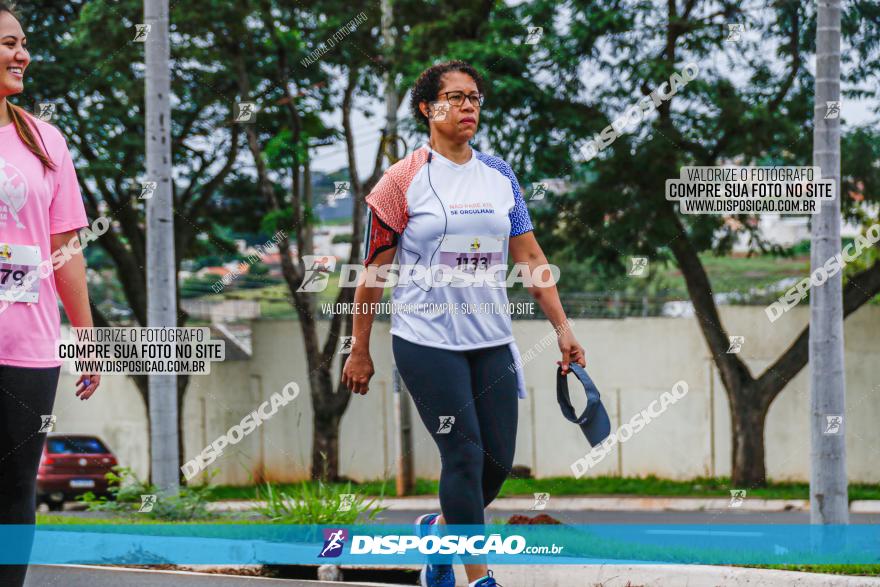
x=748, y=111
x=126, y=489
x=751, y=108
x=276, y=220
x=97, y=258
x=258, y=269
x=315, y=504
x=256, y=278
x=196, y=287
x=868, y=257
x=530, y=88
x=213, y=260
x=801, y=248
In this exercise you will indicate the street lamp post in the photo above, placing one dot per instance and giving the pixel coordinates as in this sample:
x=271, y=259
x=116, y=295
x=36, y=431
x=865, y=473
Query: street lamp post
x=161, y=280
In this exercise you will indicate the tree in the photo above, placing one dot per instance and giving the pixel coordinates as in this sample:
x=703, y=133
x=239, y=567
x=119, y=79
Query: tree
x=273, y=69
x=267, y=56
x=91, y=68
x=715, y=120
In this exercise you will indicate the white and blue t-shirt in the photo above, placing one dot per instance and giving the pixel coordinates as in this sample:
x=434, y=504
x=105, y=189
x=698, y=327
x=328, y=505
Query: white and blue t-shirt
x=455, y=215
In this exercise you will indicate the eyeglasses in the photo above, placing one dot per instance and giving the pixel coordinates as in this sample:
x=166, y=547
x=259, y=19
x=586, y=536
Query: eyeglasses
x=457, y=98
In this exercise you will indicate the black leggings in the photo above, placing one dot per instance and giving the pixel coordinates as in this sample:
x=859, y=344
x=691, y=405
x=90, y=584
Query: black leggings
x=25, y=395
x=480, y=391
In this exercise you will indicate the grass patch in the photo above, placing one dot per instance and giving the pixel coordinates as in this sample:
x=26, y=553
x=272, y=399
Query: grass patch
x=741, y=274
x=371, y=488
x=324, y=504
x=643, y=486
x=274, y=301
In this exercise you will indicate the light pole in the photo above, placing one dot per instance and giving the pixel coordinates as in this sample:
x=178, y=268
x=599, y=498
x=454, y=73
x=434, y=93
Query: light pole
x=161, y=280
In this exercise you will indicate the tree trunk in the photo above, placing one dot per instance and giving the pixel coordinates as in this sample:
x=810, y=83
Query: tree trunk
x=325, y=432
x=748, y=418
x=325, y=448
x=182, y=382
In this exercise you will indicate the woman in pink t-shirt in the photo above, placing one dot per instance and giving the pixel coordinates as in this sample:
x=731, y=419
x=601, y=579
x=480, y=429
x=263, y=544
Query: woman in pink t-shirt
x=41, y=210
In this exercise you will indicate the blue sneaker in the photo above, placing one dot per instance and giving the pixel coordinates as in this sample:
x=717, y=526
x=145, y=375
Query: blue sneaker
x=487, y=581
x=433, y=575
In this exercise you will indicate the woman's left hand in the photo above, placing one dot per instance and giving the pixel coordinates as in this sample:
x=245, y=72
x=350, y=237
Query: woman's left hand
x=571, y=350
x=87, y=384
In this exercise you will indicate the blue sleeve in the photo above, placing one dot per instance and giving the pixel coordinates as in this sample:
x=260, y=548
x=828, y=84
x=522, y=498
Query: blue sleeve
x=520, y=222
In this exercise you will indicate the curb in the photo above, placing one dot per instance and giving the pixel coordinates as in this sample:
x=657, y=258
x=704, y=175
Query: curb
x=565, y=503
x=865, y=506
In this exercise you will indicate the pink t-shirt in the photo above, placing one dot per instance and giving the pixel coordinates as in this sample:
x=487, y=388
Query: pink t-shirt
x=33, y=205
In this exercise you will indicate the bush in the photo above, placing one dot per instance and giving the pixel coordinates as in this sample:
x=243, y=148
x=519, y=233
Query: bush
x=126, y=490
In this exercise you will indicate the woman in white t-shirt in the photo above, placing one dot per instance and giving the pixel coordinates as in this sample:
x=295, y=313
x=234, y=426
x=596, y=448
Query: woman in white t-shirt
x=450, y=216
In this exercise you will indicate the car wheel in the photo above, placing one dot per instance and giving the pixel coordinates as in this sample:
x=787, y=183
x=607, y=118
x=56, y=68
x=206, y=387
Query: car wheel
x=55, y=506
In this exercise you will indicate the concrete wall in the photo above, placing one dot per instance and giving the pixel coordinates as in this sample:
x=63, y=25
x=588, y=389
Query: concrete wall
x=633, y=361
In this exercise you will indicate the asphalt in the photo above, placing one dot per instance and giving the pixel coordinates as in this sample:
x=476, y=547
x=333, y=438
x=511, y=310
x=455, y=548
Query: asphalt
x=92, y=576
x=513, y=576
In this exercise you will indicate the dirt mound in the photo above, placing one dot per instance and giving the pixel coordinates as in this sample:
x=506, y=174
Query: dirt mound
x=539, y=519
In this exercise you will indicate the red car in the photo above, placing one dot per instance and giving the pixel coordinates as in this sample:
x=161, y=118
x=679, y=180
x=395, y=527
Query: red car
x=72, y=464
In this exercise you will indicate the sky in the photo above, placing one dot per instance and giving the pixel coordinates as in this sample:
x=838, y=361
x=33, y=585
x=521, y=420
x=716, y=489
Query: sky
x=367, y=130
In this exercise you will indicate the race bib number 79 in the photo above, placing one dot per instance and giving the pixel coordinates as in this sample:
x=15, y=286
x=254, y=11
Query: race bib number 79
x=16, y=262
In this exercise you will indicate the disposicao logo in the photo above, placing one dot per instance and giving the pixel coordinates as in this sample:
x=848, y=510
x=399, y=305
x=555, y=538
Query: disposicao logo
x=334, y=542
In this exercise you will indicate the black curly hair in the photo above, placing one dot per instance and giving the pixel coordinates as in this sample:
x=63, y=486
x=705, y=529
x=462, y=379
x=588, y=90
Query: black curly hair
x=428, y=84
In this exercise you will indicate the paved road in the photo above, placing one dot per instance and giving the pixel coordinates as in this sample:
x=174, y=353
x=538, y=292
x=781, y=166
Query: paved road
x=73, y=576
x=552, y=576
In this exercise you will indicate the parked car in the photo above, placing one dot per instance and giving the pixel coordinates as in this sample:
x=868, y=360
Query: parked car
x=72, y=464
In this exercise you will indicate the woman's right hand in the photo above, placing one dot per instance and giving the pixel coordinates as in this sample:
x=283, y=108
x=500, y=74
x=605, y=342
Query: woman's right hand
x=357, y=372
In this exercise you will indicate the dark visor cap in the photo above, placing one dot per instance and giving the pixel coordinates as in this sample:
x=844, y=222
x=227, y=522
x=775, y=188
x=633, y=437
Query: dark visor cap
x=594, y=422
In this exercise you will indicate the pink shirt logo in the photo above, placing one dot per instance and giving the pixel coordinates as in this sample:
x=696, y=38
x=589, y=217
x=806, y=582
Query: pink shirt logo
x=13, y=193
